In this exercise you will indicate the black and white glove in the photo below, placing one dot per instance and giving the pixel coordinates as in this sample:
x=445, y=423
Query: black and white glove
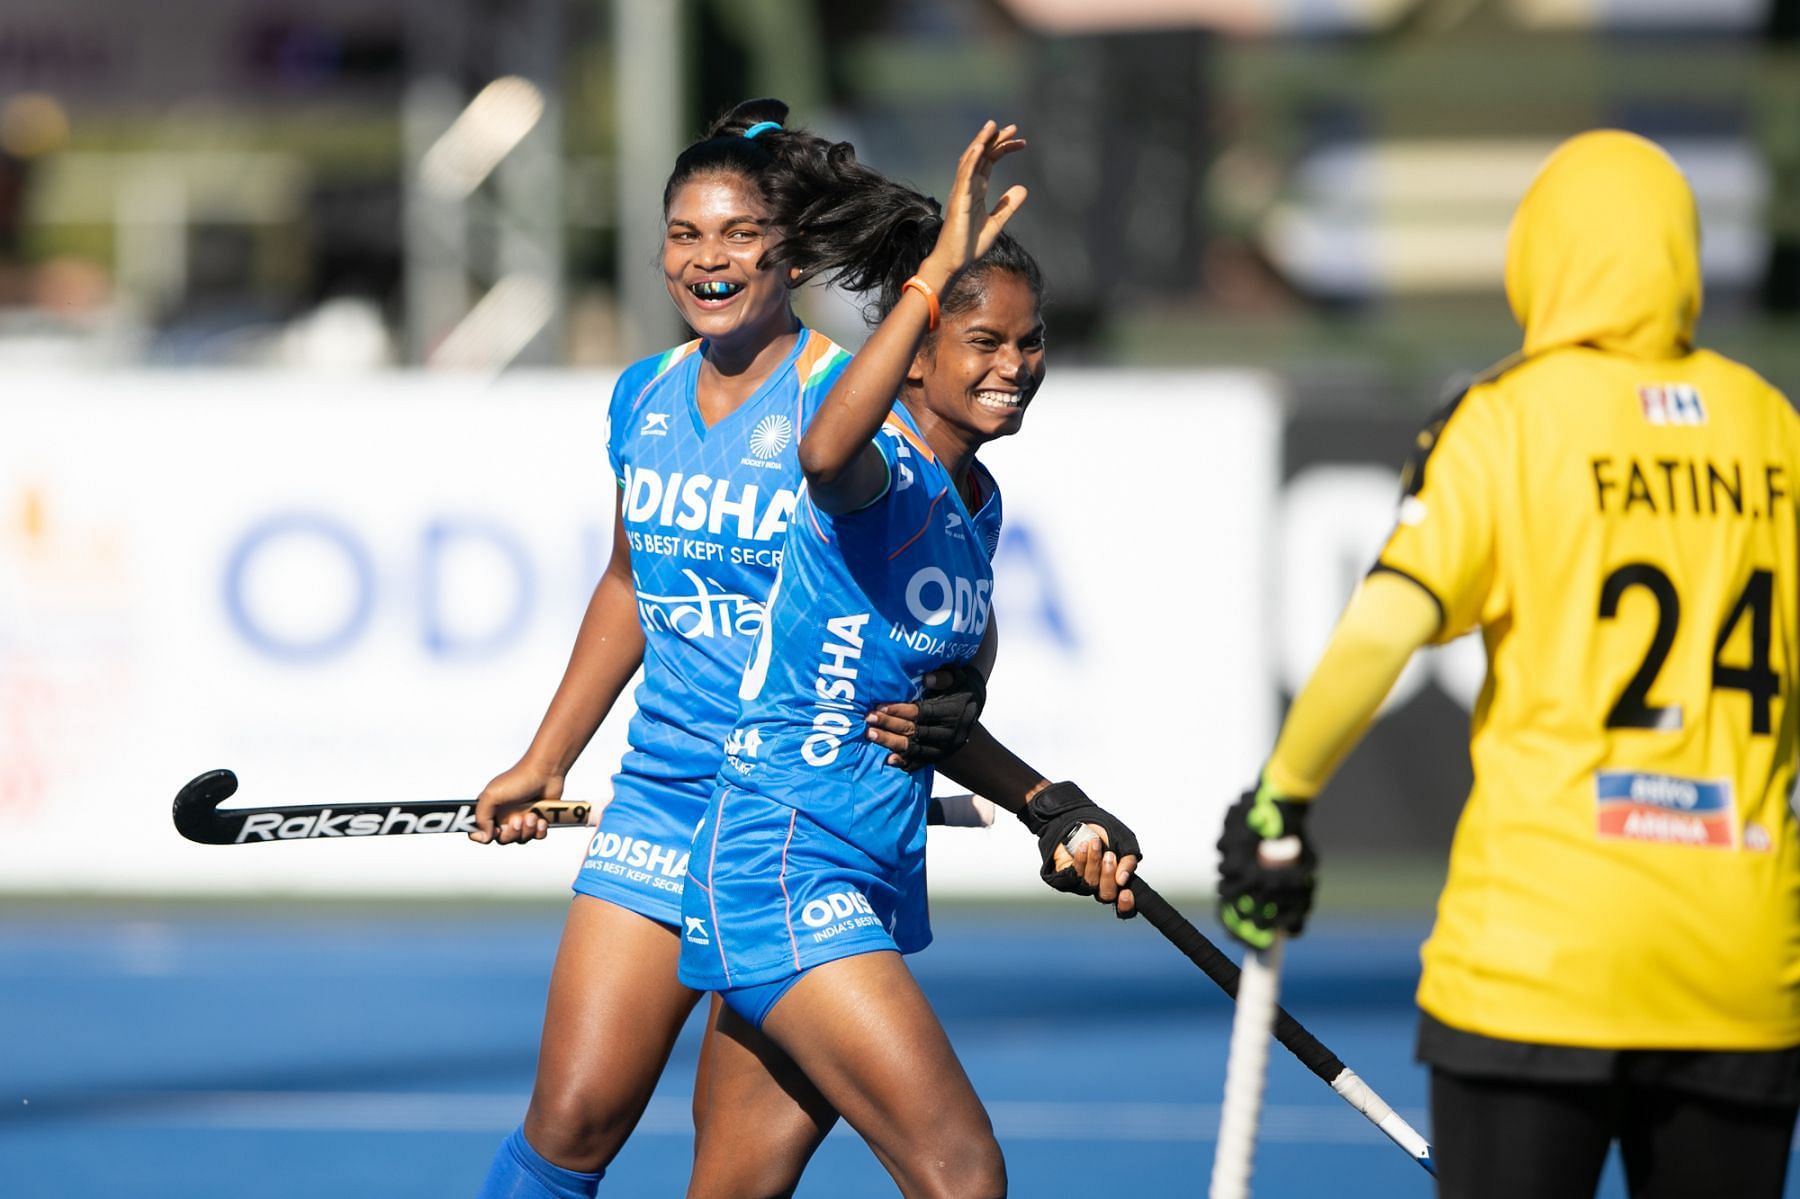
x=1056, y=812
x=947, y=717
x=1260, y=893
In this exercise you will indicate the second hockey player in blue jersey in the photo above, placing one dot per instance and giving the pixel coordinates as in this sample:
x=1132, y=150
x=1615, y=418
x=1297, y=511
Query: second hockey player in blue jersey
x=806, y=881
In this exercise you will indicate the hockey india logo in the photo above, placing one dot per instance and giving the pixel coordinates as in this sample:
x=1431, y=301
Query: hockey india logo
x=771, y=436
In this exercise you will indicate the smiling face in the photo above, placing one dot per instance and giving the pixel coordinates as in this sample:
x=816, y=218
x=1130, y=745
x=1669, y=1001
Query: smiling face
x=716, y=238
x=981, y=368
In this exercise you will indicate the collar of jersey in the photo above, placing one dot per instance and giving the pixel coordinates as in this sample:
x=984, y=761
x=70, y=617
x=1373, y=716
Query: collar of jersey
x=989, y=489
x=690, y=393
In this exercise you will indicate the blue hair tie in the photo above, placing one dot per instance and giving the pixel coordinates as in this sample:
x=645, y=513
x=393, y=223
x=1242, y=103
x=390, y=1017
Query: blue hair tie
x=761, y=127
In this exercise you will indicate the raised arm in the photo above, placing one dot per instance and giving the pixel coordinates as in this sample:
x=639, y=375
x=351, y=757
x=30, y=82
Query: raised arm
x=843, y=471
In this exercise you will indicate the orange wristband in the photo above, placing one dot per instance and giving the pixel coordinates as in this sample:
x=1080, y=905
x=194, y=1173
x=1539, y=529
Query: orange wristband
x=931, y=301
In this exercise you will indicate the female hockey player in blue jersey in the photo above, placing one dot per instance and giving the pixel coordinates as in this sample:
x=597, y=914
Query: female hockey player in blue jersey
x=702, y=440
x=806, y=880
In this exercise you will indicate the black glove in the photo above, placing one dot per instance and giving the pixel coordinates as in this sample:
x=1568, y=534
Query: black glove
x=1059, y=810
x=947, y=716
x=1256, y=901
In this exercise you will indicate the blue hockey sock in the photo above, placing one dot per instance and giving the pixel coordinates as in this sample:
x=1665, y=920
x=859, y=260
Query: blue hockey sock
x=520, y=1172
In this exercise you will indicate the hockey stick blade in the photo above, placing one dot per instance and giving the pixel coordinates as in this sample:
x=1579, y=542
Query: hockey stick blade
x=1290, y=1032
x=198, y=816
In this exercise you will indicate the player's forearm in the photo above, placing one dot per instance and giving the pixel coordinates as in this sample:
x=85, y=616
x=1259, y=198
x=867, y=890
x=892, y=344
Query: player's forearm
x=1386, y=621
x=608, y=651
x=832, y=451
x=992, y=771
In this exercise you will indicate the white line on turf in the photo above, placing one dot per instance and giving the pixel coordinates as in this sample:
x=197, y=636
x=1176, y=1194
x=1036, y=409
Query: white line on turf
x=440, y=1111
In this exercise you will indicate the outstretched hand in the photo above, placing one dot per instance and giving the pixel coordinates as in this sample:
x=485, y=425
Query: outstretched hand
x=970, y=226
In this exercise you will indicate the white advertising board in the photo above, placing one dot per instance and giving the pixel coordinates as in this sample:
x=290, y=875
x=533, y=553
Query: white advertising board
x=362, y=589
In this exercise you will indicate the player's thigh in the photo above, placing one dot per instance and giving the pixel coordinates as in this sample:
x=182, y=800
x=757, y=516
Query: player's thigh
x=1682, y=1146
x=864, y=1034
x=1504, y=1139
x=614, y=1011
x=758, y=1118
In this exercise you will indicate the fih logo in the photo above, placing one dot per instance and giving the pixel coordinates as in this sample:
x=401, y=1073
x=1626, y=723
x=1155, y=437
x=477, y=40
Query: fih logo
x=771, y=436
x=1672, y=404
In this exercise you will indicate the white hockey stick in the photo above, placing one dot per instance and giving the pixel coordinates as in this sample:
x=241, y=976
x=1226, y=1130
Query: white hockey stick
x=1247, y=1066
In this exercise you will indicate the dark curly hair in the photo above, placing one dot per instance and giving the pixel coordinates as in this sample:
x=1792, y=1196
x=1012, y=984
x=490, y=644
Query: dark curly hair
x=840, y=220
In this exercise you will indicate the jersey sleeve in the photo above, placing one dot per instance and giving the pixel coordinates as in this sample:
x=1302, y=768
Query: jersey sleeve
x=821, y=364
x=1443, y=538
x=626, y=393
x=900, y=460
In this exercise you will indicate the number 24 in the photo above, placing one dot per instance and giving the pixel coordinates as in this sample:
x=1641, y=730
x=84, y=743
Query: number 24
x=1633, y=709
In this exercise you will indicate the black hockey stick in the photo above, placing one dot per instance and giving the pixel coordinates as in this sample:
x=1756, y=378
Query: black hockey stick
x=1289, y=1031
x=198, y=816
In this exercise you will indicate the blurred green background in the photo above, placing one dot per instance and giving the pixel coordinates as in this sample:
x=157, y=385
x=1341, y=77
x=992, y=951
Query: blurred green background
x=1319, y=189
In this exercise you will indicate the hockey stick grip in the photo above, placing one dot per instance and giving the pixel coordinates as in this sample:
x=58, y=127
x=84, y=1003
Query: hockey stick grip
x=1313, y=1054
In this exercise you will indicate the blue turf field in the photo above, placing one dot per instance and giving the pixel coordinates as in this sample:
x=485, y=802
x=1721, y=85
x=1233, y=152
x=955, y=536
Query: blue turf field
x=181, y=1054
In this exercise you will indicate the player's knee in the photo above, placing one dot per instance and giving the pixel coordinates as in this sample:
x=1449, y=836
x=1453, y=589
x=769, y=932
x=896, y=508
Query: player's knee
x=966, y=1167
x=576, y=1128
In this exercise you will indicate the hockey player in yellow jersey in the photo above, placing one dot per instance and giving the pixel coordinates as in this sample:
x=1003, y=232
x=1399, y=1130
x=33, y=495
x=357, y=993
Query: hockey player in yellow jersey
x=1616, y=954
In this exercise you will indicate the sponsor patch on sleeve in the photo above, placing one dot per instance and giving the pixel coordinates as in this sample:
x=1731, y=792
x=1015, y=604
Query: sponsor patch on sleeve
x=1657, y=807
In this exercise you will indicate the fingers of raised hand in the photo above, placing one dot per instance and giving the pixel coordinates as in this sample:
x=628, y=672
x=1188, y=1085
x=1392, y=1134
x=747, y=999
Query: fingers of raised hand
x=1004, y=209
x=977, y=149
x=1004, y=141
x=993, y=143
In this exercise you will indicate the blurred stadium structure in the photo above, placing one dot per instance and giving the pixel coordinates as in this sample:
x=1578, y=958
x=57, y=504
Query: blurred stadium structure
x=1318, y=187
x=1314, y=193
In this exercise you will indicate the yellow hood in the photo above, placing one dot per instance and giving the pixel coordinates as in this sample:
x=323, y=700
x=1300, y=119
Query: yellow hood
x=1605, y=250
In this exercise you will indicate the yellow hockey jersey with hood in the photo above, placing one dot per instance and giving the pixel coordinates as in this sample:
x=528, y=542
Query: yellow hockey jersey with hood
x=1615, y=510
